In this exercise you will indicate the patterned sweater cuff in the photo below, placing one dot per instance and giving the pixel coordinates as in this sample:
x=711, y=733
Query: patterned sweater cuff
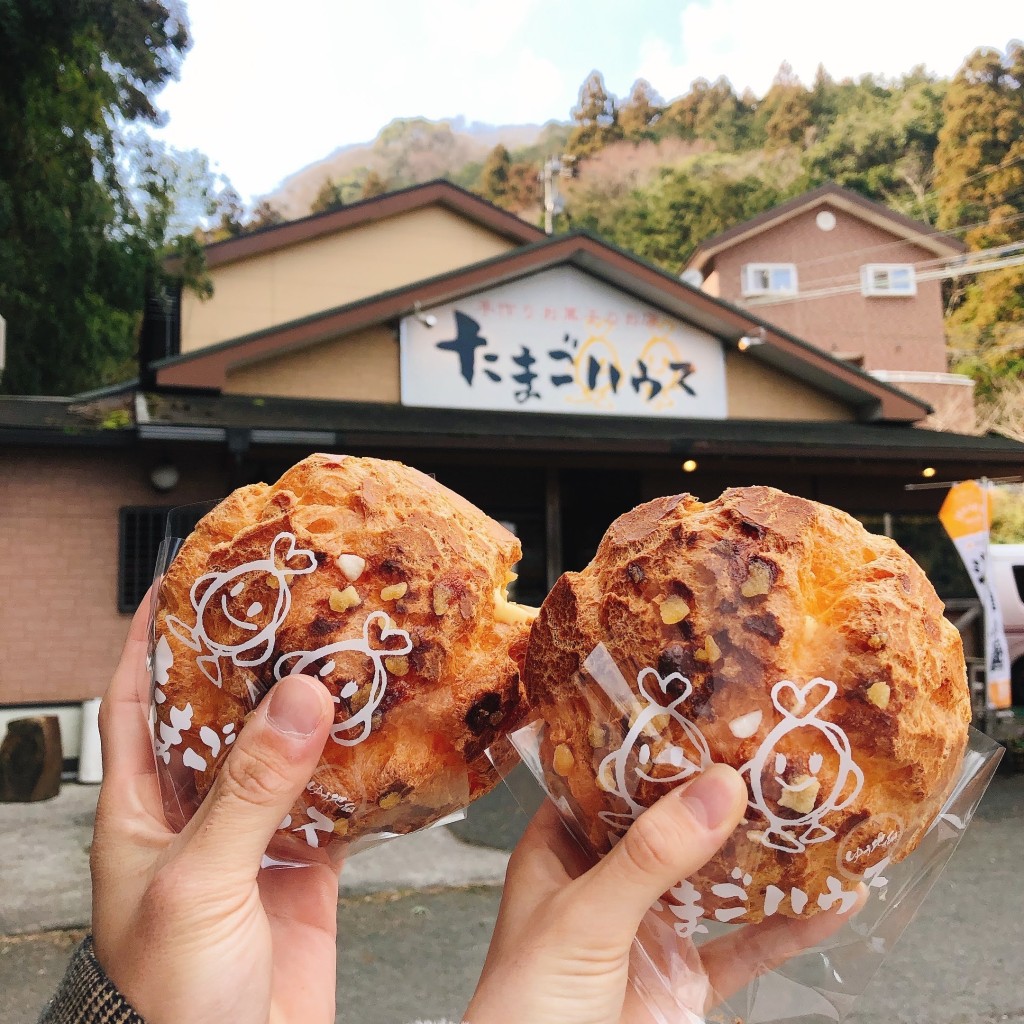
x=87, y=996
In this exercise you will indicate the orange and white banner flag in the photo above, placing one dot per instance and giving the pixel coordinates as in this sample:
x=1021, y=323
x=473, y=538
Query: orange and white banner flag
x=966, y=515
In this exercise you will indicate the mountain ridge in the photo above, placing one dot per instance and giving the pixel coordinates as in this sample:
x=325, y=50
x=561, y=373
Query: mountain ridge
x=404, y=152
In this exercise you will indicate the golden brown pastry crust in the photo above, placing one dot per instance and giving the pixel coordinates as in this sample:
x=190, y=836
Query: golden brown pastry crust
x=734, y=597
x=425, y=675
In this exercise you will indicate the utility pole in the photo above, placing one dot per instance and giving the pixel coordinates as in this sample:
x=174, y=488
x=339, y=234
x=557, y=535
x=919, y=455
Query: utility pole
x=555, y=167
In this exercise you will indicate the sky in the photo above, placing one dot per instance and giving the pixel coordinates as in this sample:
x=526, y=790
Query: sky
x=269, y=87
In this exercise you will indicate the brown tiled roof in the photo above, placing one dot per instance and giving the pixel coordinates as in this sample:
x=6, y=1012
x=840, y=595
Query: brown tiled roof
x=207, y=368
x=915, y=231
x=433, y=193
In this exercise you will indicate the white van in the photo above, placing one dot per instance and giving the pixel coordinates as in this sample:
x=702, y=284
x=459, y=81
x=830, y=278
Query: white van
x=1006, y=571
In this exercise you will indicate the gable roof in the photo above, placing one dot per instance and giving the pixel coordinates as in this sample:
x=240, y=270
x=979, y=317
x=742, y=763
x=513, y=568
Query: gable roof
x=207, y=368
x=416, y=197
x=915, y=231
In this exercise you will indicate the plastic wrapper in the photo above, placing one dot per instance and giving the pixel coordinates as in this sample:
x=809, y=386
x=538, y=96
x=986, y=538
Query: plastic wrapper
x=216, y=656
x=726, y=945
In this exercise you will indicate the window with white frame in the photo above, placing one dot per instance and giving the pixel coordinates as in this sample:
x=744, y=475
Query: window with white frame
x=769, y=279
x=888, y=279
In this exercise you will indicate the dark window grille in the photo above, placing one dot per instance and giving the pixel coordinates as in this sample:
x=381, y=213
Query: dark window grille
x=141, y=531
x=142, y=528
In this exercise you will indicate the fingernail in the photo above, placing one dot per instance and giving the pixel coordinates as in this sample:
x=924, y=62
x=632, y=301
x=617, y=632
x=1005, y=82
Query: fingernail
x=295, y=707
x=711, y=797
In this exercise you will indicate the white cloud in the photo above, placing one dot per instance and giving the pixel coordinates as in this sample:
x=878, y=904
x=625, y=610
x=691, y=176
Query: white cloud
x=270, y=87
x=747, y=40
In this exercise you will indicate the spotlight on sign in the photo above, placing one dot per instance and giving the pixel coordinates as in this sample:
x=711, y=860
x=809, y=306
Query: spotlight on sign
x=427, y=319
x=928, y=472
x=751, y=340
x=689, y=465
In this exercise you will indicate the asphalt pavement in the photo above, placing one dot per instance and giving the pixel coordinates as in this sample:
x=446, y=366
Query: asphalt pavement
x=410, y=951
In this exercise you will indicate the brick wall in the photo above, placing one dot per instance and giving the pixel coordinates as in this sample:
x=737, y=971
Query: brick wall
x=60, y=630
x=888, y=333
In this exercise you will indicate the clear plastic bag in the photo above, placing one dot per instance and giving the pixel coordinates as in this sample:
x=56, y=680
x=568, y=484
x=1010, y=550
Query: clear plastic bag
x=724, y=945
x=209, y=671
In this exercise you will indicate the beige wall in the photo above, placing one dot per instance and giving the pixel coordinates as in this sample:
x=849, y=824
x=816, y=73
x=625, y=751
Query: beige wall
x=60, y=630
x=276, y=287
x=362, y=367
x=889, y=333
x=953, y=405
x=758, y=392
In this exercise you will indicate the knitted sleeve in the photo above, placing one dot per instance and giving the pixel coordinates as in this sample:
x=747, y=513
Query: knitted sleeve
x=87, y=996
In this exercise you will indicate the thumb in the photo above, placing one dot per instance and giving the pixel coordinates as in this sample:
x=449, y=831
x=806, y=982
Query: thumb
x=268, y=767
x=671, y=840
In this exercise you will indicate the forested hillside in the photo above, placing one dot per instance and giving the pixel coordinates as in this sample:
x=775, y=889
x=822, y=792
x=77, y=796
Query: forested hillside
x=657, y=177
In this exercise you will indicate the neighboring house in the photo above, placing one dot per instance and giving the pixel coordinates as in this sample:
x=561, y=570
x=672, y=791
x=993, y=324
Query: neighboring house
x=853, y=277
x=555, y=382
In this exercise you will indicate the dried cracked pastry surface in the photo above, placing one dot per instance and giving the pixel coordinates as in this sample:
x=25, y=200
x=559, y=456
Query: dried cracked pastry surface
x=771, y=633
x=382, y=583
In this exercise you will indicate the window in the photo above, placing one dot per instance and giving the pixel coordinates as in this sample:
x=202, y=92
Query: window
x=885, y=279
x=769, y=279
x=142, y=529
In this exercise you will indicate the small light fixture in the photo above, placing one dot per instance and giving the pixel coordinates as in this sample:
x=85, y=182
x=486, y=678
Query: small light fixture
x=427, y=319
x=750, y=340
x=928, y=472
x=164, y=477
x=689, y=465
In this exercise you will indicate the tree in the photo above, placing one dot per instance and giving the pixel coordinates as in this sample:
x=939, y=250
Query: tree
x=524, y=186
x=328, y=198
x=494, y=180
x=877, y=140
x=709, y=111
x=979, y=183
x=784, y=115
x=982, y=120
x=264, y=215
x=229, y=220
x=411, y=150
x=374, y=185
x=640, y=111
x=595, y=118
x=75, y=255
x=665, y=222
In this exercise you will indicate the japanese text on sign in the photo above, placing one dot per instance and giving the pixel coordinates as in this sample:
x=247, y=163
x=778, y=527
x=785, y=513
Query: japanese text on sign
x=517, y=349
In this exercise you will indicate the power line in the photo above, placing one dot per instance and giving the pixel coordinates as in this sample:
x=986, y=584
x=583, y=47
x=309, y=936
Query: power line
x=881, y=246
x=922, y=265
x=980, y=263
x=971, y=177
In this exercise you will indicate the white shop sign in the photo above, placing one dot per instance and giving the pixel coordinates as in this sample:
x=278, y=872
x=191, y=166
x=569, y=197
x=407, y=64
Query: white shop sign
x=561, y=342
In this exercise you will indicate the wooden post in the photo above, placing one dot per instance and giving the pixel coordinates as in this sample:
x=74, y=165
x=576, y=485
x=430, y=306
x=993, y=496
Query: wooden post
x=31, y=758
x=553, y=525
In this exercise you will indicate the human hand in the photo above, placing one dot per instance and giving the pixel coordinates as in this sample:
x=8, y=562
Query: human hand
x=186, y=924
x=563, y=949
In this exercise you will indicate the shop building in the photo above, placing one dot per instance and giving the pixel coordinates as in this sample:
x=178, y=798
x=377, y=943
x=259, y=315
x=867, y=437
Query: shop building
x=556, y=382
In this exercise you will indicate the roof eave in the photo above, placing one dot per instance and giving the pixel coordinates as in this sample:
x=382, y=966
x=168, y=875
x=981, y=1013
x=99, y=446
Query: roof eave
x=208, y=367
x=937, y=242
x=432, y=193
